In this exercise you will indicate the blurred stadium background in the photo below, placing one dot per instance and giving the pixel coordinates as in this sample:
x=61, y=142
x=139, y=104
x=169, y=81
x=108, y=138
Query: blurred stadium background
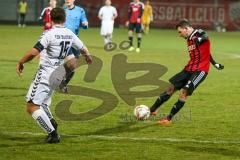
x=207, y=14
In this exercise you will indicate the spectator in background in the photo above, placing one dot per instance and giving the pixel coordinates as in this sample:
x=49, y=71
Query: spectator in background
x=45, y=15
x=107, y=14
x=22, y=11
x=147, y=17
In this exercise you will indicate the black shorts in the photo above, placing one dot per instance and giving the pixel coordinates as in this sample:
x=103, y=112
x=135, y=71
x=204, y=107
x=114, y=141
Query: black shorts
x=188, y=80
x=135, y=26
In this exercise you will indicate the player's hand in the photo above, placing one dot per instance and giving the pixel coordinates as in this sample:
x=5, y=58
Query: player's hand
x=139, y=20
x=48, y=24
x=127, y=23
x=85, y=24
x=88, y=58
x=219, y=66
x=19, y=69
x=151, y=18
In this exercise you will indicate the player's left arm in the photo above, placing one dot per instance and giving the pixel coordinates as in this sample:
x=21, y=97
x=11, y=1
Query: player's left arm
x=215, y=64
x=83, y=20
x=115, y=14
x=202, y=37
x=151, y=14
x=84, y=51
x=141, y=13
x=26, y=58
x=79, y=46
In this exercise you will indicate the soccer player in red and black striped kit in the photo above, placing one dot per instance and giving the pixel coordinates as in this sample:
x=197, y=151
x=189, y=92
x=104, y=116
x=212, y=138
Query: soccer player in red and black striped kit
x=45, y=15
x=194, y=72
x=135, y=12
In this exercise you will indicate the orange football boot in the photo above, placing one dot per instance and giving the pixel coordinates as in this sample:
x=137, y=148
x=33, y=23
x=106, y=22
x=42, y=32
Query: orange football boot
x=164, y=122
x=153, y=113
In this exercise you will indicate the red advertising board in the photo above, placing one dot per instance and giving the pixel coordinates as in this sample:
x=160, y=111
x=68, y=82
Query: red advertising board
x=201, y=13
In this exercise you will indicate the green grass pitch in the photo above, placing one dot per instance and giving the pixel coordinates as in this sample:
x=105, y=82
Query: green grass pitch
x=206, y=128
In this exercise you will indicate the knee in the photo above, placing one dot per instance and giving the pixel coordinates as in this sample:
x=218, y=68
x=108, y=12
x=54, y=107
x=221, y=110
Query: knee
x=183, y=95
x=171, y=90
x=72, y=64
x=31, y=108
x=130, y=33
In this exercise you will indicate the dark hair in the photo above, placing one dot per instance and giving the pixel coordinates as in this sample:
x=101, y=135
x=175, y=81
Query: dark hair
x=58, y=15
x=183, y=23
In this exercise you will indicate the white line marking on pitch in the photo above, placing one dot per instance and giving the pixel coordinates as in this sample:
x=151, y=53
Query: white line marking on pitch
x=231, y=55
x=102, y=137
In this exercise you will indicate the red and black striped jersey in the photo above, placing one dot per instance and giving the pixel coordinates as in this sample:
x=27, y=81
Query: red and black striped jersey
x=199, y=51
x=135, y=11
x=45, y=15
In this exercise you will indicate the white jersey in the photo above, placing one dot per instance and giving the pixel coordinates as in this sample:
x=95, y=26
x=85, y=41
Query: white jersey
x=107, y=13
x=55, y=44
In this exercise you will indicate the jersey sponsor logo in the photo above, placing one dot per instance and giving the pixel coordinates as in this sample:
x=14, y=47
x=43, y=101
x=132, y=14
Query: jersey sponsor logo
x=191, y=47
x=43, y=124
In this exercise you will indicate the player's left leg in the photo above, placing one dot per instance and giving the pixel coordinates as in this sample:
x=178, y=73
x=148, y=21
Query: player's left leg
x=147, y=28
x=176, y=107
x=23, y=20
x=43, y=121
x=45, y=107
x=105, y=39
x=70, y=66
x=109, y=37
x=139, y=36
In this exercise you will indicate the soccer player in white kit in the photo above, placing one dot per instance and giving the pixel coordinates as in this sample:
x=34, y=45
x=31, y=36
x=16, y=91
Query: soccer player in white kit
x=107, y=15
x=54, y=46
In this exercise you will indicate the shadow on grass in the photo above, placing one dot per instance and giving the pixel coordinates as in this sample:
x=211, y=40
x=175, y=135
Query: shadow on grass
x=211, y=150
x=7, y=140
x=9, y=60
x=13, y=88
x=121, y=128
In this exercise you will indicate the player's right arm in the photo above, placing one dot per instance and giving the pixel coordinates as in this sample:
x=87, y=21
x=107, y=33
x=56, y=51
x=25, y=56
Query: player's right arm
x=42, y=14
x=83, y=19
x=100, y=14
x=129, y=14
x=41, y=45
x=27, y=57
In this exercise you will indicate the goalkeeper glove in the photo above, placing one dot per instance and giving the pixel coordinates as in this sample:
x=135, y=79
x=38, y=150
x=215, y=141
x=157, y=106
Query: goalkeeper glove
x=219, y=66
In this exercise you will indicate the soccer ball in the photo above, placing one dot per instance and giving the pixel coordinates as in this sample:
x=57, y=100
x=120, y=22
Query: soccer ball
x=141, y=112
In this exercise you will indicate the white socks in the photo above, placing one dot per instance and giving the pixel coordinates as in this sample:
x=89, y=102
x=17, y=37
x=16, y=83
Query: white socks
x=43, y=120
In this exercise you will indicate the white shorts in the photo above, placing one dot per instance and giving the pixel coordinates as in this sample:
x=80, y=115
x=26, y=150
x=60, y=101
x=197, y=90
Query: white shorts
x=107, y=27
x=46, y=80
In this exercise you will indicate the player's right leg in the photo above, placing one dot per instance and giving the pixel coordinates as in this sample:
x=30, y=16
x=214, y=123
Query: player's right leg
x=37, y=93
x=43, y=121
x=177, y=82
x=161, y=99
x=130, y=36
